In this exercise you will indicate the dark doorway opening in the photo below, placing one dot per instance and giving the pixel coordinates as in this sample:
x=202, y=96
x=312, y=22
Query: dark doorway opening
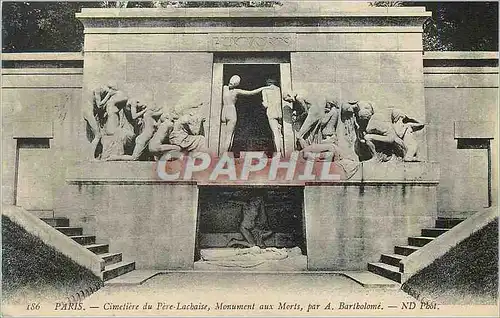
x=252, y=132
x=224, y=211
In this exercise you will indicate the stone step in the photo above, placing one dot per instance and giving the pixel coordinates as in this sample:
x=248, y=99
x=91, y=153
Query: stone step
x=111, y=258
x=371, y=280
x=405, y=250
x=83, y=239
x=447, y=223
x=385, y=270
x=434, y=232
x=391, y=259
x=112, y=271
x=139, y=276
x=419, y=240
x=70, y=230
x=56, y=222
x=97, y=248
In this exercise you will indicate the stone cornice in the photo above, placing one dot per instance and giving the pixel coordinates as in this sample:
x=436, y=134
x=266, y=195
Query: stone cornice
x=460, y=55
x=42, y=60
x=252, y=17
x=250, y=12
x=43, y=56
x=461, y=59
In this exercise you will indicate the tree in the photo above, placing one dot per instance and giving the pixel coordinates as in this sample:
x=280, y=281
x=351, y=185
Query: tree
x=461, y=26
x=42, y=26
x=52, y=26
x=386, y=4
x=189, y=4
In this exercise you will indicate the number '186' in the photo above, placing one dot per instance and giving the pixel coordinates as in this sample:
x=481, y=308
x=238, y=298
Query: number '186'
x=33, y=306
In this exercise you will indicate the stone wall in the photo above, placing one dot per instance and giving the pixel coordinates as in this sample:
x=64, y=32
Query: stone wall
x=461, y=99
x=151, y=223
x=349, y=225
x=167, y=79
x=388, y=79
x=352, y=52
x=41, y=94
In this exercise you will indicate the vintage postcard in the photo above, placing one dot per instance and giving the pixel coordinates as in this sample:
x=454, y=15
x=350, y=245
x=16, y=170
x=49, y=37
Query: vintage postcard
x=249, y=158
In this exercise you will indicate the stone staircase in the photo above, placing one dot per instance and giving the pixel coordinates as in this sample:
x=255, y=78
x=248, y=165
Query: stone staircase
x=389, y=265
x=114, y=265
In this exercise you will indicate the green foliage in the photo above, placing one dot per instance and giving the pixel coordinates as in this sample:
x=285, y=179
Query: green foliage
x=461, y=26
x=191, y=4
x=188, y=4
x=41, y=26
x=456, y=26
x=52, y=26
x=386, y=3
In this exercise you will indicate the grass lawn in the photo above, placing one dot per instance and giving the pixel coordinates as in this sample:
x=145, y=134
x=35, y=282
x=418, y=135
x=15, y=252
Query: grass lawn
x=467, y=274
x=32, y=270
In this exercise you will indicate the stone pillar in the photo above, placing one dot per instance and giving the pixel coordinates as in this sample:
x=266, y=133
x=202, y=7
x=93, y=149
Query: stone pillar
x=286, y=87
x=214, y=122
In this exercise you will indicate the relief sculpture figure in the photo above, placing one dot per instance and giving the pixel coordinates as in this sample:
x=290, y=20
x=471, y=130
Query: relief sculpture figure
x=114, y=130
x=328, y=139
x=188, y=131
x=230, y=94
x=322, y=136
x=381, y=134
x=160, y=143
x=312, y=119
x=94, y=113
x=405, y=128
x=254, y=224
x=354, y=116
x=146, y=129
x=300, y=107
x=307, y=114
x=127, y=129
x=325, y=131
x=271, y=100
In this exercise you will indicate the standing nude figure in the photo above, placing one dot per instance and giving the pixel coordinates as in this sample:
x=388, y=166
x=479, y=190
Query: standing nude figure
x=230, y=95
x=271, y=99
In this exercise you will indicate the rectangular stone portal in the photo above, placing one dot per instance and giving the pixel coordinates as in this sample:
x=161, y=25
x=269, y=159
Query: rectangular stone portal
x=257, y=228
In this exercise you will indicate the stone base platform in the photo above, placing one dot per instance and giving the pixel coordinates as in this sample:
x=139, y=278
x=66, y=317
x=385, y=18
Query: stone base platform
x=364, y=278
x=347, y=223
